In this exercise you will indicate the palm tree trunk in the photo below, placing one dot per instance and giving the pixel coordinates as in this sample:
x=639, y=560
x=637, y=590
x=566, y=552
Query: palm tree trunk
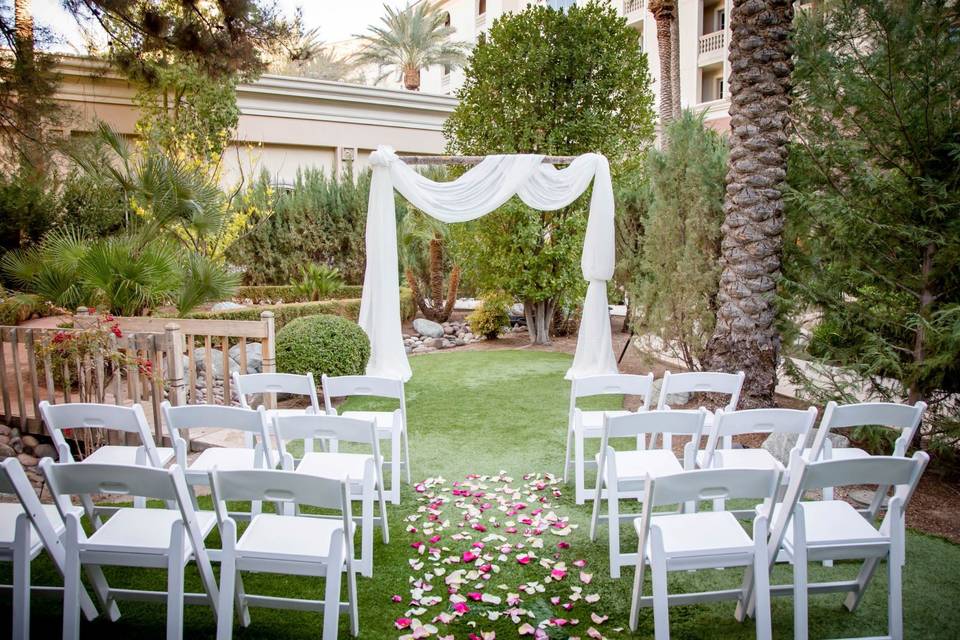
x=411, y=79
x=32, y=156
x=662, y=11
x=675, y=60
x=746, y=337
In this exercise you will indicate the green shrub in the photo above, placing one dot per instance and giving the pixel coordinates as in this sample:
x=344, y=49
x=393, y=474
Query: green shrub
x=284, y=313
x=318, y=282
x=322, y=344
x=259, y=294
x=491, y=316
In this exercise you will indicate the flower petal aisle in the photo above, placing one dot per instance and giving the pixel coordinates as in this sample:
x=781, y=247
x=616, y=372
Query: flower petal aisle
x=465, y=534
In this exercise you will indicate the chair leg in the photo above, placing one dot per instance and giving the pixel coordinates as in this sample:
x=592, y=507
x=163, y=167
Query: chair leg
x=578, y=468
x=406, y=455
x=863, y=579
x=366, y=528
x=331, y=601
x=637, y=588
x=102, y=591
x=395, y=468
x=595, y=514
x=384, y=525
x=895, y=596
x=613, y=525
x=761, y=576
x=353, y=604
x=21, y=578
x=71, y=579
x=661, y=604
x=175, y=571
x=566, y=456
x=800, y=594
x=228, y=569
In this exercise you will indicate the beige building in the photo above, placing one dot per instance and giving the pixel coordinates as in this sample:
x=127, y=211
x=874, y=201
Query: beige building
x=285, y=123
x=703, y=46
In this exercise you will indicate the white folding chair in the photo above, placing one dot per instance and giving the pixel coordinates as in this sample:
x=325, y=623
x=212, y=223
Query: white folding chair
x=729, y=384
x=151, y=538
x=271, y=384
x=582, y=424
x=803, y=532
x=364, y=471
x=391, y=425
x=26, y=529
x=704, y=540
x=904, y=418
x=251, y=423
x=720, y=454
x=61, y=417
x=618, y=471
x=288, y=544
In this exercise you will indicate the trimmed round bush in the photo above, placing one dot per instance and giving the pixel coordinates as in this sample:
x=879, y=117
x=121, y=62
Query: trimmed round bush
x=322, y=344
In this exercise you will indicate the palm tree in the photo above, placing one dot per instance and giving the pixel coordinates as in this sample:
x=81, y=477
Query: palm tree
x=746, y=337
x=412, y=39
x=663, y=12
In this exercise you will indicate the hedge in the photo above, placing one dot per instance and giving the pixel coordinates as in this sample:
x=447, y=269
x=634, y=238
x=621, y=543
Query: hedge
x=284, y=313
x=287, y=293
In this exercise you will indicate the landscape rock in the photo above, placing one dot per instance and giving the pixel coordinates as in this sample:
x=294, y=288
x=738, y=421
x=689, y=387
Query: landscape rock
x=44, y=451
x=428, y=328
x=217, y=364
x=4, y=430
x=29, y=442
x=226, y=306
x=6, y=451
x=27, y=460
x=436, y=343
x=780, y=444
x=254, y=356
x=423, y=349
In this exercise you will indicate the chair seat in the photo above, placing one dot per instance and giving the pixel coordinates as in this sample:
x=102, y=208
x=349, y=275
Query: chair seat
x=224, y=459
x=336, y=466
x=144, y=531
x=121, y=454
x=741, y=459
x=276, y=537
x=841, y=453
x=10, y=511
x=652, y=462
x=385, y=420
x=707, y=533
x=592, y=421
x=831, y=523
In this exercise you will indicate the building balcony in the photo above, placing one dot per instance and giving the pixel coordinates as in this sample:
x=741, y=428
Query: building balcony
x=712, y=47
x=633, y=10
x=445, y=83
x=481, y=22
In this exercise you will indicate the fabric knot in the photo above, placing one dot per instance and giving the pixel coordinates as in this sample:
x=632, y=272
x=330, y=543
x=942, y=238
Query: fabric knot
x=383, y=156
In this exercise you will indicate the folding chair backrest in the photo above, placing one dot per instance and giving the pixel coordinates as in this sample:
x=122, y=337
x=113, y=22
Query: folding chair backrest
x=734, y=423
x=712, y=484
x=278, y=486
x=82, y=415
x=611, y=384
x=903, y=417
x=369, y=386
x=324, y=426
x=645, y=422
x=702, y=382
x=76, y=478
x=288, y=383
x=200, y=416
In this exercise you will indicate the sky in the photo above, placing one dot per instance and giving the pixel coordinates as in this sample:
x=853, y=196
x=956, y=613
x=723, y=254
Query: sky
x=335, y=19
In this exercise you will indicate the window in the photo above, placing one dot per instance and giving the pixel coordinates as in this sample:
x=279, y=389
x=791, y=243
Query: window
x=446, y=18
x=719, y=89
x=721, y=20
x=481, y=7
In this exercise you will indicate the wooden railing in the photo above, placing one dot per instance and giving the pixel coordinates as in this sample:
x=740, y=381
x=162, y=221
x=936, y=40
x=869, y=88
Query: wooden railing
x=27, y=377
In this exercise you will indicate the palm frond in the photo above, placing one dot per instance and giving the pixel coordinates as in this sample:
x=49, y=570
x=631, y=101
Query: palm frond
x=204, y=281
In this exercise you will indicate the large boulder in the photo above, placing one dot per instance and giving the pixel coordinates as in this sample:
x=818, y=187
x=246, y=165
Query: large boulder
x=226, y=306
x=428, y=328
x=780, y=444
x=254, y=356
x=217, y=363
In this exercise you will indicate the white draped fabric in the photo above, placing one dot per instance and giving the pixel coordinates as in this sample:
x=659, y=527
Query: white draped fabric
x=477, y=192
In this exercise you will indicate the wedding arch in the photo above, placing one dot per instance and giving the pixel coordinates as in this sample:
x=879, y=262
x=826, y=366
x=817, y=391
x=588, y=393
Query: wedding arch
x=481, y=190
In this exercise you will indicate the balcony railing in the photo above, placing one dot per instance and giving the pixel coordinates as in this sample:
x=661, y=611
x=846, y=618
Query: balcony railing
x=633, y=7
x=481, y=22
x=712, y=42
x=445, y=82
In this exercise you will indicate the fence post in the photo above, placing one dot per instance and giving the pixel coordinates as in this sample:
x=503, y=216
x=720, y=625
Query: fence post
x=269, y=354
x=174, y=348
x=82, y=318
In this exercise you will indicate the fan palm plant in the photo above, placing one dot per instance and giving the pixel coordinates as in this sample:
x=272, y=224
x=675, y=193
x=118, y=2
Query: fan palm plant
x=421, y=242
x=409, y=40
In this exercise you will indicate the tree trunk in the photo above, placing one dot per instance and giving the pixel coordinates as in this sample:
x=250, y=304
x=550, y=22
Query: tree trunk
x=539, y=318
x=675, y=61
x=436, y=276
x=411, y=79
x=33, y=155
x=746, y=337
x=663, y=11
x=916, y=393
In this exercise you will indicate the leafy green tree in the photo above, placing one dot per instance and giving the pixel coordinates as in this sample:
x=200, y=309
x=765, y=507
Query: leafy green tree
x=558, y=83
x=873, y=234
x=676, y=285
x=410, y=40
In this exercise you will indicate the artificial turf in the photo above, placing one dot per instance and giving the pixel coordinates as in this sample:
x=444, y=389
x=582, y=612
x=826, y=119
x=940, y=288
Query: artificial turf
x=486, y=411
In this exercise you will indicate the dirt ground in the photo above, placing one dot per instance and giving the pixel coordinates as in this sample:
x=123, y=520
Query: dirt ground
x=934, y=509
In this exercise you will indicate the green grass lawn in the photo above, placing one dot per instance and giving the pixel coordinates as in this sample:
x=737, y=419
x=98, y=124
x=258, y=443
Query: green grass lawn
x=487, y=411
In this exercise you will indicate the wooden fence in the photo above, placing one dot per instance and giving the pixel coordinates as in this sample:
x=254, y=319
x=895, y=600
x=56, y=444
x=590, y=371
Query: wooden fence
x=172, y=346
